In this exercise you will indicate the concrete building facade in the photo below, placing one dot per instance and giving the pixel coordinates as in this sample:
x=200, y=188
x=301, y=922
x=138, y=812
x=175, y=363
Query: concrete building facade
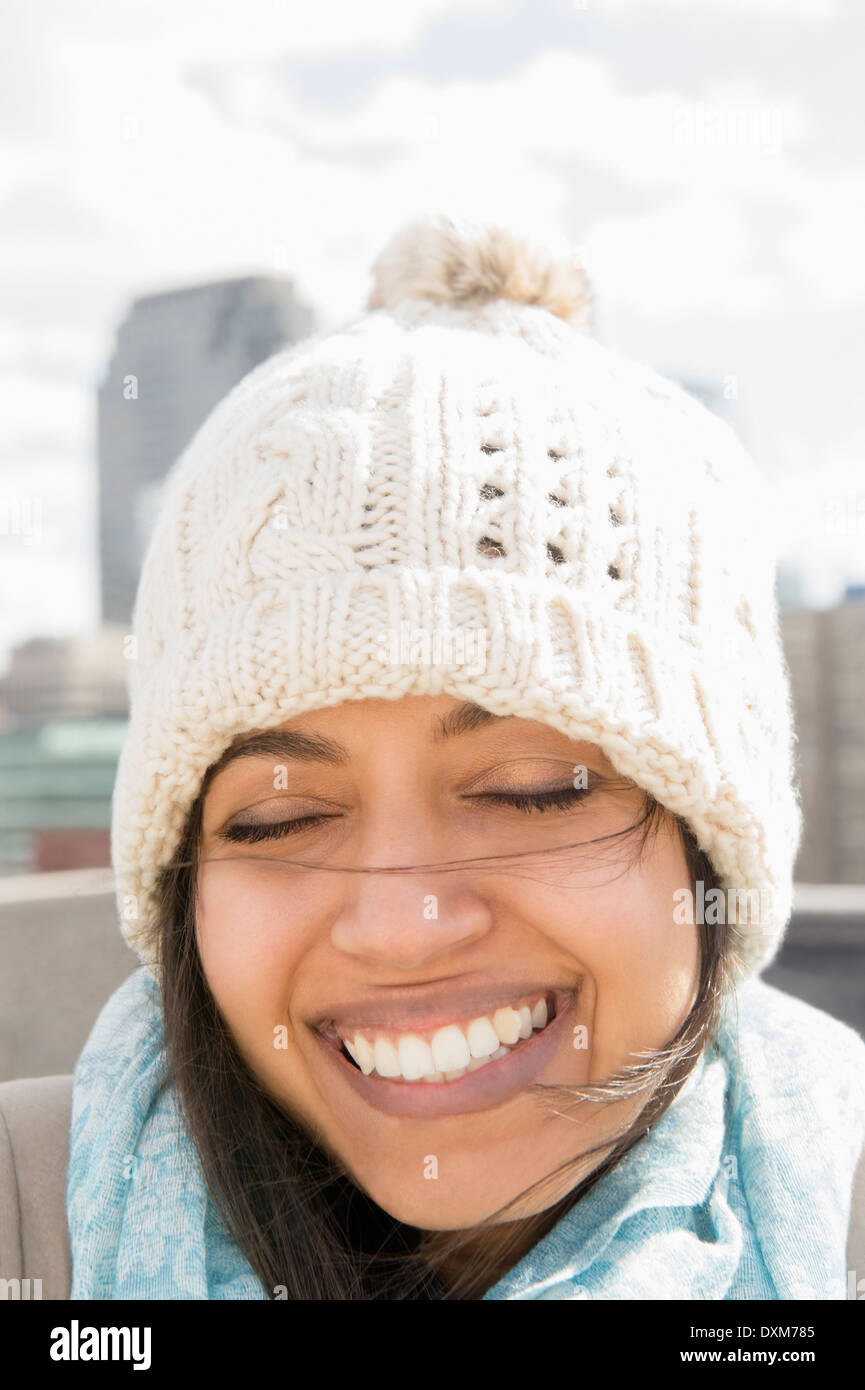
x=825, y=651
x=177, y=353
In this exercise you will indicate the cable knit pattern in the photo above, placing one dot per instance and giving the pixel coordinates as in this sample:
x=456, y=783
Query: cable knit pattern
x=469, y=465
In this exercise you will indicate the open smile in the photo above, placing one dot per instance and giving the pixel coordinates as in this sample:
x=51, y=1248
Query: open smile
x=408, y=1073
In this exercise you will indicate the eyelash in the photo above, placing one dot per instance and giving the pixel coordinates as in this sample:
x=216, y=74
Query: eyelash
x=526, y=802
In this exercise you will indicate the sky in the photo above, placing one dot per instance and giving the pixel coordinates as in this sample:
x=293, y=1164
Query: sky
x=706, y=159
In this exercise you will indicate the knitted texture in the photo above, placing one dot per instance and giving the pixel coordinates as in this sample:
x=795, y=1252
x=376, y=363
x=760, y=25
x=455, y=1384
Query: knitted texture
x=465, y=464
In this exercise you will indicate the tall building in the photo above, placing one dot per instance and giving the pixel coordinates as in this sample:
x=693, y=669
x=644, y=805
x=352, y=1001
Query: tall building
x=825, y=652
x=804, y=632
x=177, y=354
x=847, y=629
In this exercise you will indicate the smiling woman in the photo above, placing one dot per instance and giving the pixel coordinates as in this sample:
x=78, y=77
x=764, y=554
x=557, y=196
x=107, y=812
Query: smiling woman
x=422, y=1016
x=548, y=932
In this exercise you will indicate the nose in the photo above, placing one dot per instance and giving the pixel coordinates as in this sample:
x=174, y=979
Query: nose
x=408, y=921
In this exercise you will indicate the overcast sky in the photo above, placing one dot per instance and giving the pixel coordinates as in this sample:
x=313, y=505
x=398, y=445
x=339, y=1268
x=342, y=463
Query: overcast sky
x=707, y=157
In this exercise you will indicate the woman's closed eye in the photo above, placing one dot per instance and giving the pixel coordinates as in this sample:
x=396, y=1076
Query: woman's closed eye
x=557, y=798
x=525, y=802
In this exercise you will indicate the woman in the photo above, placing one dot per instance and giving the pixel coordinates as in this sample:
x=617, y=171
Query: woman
x=454, y=825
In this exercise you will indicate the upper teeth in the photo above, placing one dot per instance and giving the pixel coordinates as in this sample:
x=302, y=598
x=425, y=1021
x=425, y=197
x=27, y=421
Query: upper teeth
x=449, y=1051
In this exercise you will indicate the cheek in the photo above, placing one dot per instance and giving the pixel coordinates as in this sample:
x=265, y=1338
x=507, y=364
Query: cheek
x=640, y=967
x=248, y=942
x=251, y=946
x=636, y=940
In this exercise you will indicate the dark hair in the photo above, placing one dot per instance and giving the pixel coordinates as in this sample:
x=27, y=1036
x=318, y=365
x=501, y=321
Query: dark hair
x=301, y=1221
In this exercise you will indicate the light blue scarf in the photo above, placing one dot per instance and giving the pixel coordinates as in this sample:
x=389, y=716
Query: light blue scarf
x=741, y=1190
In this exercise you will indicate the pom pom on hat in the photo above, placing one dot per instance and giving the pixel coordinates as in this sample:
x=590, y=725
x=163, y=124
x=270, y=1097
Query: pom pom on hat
x=460, y=262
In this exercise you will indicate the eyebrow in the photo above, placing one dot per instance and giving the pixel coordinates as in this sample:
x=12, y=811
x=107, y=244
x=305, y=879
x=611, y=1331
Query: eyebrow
x=312, y=747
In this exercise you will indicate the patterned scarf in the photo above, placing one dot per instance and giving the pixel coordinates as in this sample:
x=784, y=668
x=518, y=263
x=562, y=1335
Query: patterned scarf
x=740, y=1191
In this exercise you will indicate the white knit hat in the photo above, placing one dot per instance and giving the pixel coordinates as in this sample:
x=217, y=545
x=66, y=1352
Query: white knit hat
x=464, y=456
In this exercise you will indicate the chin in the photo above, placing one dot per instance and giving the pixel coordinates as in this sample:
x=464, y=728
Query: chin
x=445, y=1203
x=431, y=1214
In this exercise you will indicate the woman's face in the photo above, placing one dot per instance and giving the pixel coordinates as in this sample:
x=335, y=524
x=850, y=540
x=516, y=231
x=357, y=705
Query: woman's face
x=452, y=963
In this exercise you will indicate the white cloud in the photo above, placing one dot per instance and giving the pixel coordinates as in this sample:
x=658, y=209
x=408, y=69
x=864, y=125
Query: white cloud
x=825, y=245
x=690, y=255
x=120, y=174
x=782, y=10
x=821, y=515
x=37, y=406
x=48, y=557
x=204, y=32
x=181, y=188
x=561, y=105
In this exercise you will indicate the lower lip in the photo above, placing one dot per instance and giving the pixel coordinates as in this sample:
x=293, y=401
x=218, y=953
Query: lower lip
x=483, y=1089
